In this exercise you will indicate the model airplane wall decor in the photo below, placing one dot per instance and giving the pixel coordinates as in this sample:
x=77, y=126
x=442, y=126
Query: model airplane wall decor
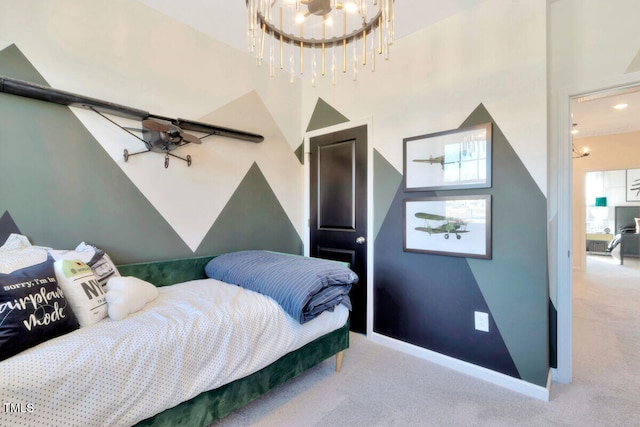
x=159, y=134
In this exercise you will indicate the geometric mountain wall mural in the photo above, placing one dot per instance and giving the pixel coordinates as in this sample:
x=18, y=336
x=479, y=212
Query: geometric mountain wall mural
x=252, y=211
x=429, y=300
x=634, y=65
x=385, y=184
x=324, y=115
x=62, y=186
x=218, y=166
x=7, y=227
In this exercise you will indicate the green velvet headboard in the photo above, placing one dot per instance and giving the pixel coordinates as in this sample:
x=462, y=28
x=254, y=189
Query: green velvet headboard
x=163, y=273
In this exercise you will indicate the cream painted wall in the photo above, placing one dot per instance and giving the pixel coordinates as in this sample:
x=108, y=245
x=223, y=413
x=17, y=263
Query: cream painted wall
x=607, y=153
x=437, y=76
x=127, y=53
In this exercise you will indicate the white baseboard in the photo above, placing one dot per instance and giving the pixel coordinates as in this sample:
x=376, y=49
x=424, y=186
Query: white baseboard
x=502, y=380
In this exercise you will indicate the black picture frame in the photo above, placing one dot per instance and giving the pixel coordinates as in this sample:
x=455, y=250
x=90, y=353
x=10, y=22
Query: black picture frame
x=633, y=185
x=453, y=159
x=454, y=226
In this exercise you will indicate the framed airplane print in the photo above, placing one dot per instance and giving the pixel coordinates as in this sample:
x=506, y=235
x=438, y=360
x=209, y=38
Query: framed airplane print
x=454, y=226
x=453, y=159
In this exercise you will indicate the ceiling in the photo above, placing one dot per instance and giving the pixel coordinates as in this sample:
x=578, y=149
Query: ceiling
x=594, y=115
x=225, y=21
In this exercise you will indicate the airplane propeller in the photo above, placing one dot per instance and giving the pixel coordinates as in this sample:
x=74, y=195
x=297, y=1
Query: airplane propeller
x=162, y=138
x=172, y=131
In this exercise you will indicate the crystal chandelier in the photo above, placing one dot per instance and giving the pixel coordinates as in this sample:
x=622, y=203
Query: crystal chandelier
x=338, y=35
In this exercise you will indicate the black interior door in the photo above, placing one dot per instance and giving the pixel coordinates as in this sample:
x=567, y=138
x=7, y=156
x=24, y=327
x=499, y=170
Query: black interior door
x=338, y=207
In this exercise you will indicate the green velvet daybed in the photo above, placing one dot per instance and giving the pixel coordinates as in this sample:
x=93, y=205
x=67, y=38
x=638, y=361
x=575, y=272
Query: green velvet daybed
x=215, y=404
x=187, y=355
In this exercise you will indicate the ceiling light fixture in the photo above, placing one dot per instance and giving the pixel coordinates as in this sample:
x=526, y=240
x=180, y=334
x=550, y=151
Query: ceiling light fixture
x=326, y=27
x=574, y=129
x=620, y=106
x=579, y=154
x=574, y=151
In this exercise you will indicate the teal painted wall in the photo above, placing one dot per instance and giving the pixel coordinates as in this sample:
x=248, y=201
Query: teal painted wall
x=429, y=300
x=429, y=86
x=59, y=187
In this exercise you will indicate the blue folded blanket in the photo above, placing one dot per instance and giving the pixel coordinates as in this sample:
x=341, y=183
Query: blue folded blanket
x=304, y=287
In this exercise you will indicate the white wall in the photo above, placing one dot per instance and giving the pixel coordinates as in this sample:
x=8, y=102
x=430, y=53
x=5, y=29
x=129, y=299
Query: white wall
x=493, y=53
x=124, y=52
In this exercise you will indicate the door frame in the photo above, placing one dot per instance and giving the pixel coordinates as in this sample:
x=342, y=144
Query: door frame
x=562, y=195
x=370, y=228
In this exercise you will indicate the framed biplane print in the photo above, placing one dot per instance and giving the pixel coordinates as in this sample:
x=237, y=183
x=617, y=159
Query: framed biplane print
x=453, y=159
x=454, y=226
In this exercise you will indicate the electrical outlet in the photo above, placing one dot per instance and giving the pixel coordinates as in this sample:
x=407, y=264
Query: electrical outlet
x=482, y=321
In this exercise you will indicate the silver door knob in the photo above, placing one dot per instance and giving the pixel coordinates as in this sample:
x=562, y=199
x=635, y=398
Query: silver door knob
x=360, y=240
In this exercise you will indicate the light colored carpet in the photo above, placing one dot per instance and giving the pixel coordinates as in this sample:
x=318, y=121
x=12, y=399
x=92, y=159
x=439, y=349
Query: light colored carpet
x=383, y=387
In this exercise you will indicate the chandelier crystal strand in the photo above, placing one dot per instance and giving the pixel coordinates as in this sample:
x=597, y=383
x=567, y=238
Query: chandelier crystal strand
x=266, y=10
x=301, y=49
x=344, y=45
x=323, y=43
x=263, y=36
x=250, y=23
x=354, y=76
x=373, y=51
x=364, y=47
x=380, y=31
x=292, y=68
x=314, y=73
x=272, y=59
x=334, y=79
x=259, y=38
x=389, y=25
x=254, y=26
x=281, y=37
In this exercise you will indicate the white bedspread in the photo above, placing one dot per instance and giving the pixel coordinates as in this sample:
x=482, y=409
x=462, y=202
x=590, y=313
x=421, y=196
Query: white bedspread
x=195, y=336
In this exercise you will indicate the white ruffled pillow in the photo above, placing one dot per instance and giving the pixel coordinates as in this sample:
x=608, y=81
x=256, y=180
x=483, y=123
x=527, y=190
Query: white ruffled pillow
x=128, y=294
